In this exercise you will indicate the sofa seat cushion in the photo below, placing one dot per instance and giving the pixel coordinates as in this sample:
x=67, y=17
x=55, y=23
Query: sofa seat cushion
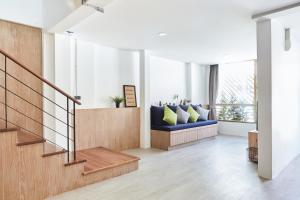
x=183, y=126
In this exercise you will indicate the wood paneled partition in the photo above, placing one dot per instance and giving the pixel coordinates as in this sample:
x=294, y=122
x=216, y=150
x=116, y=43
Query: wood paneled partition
x=24, y=43
x=114, y=128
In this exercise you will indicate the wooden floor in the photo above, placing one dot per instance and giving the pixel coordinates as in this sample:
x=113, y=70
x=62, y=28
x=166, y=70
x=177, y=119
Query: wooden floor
x=98, y=159
x=211, y=170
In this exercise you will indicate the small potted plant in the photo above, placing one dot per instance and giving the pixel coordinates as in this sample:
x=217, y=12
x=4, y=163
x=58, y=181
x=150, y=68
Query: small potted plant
x=118, y=100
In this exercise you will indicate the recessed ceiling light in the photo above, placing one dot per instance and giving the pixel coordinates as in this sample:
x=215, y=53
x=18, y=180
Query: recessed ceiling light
x=162, y=34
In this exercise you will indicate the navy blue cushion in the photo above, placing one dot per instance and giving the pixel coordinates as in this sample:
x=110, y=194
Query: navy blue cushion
x=157, y=115
x=183, y=126
x=173, y=108
x=185, y=107
x=195, y=106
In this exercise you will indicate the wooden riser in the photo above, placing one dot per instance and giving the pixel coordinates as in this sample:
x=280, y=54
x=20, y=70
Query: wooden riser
x=26, y=174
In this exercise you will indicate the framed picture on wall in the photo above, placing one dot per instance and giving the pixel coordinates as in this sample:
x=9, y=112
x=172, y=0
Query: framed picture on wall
x=129, y=95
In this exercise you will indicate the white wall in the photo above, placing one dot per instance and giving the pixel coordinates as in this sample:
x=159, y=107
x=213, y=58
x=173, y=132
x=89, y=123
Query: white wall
x=86, y=58
x=102, y=71
x=27, y=12
x=279, y=97
x=264, y=93
x=199, y=83
x=64, y=67
x=49, y=74
x=235, y=128
x=167, y=78
x=285, y=100
x=145, y=136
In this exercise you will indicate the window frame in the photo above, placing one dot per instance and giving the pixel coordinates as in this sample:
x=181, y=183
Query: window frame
x=254, y=97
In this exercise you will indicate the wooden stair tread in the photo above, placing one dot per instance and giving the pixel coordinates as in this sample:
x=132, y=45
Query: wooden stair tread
x=25, y=138
x=51, y=149
x=101, y=159
x=74, y=162
x=8, y=130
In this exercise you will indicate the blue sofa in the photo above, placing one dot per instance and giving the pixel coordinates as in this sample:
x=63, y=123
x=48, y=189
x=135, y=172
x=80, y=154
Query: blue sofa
x=157, y=123
x=164, y=136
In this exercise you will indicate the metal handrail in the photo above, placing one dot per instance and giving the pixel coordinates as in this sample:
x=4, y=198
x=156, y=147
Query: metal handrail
x=35, y=120
x=68, y=97
x=35, y=106
x=39, y=77
x=29, y=132
x=33, y=90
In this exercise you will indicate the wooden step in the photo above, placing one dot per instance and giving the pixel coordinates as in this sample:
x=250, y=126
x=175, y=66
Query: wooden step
x=25, y=138
x=100, y=158
x=51, y=149
x=9, y=130
x=74, y=162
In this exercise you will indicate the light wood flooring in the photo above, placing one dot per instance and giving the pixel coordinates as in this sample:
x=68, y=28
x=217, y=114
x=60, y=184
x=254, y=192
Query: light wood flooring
x=211, y=170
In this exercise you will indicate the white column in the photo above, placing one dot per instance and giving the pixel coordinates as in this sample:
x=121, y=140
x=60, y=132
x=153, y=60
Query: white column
x=49, y=74
x=189, y=84
x=145, y=137
x=64, y=63
x=264, y=84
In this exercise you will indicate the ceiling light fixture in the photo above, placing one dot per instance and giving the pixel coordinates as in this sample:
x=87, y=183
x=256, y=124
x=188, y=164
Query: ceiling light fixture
x=97, y=8
x=162, y=34
x=70, y=33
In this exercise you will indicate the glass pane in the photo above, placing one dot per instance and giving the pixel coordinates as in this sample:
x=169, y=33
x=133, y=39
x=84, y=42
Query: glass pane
x=236, y=95
x=236, y=83
x=242, y=113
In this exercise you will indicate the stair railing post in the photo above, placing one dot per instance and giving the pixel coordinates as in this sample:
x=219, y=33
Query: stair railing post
x=68, y=134
x=5, y=86
x=74, y=130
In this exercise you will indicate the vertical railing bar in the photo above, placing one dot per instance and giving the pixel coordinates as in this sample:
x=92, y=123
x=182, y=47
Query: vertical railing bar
x=74, y=131
x=68, y=135
x=5, y=86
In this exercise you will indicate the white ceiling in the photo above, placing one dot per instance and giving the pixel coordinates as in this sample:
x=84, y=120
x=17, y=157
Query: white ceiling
x=201, y=31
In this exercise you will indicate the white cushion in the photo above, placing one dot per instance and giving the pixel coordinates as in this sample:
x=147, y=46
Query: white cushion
x=203, y=113
x=182, y=116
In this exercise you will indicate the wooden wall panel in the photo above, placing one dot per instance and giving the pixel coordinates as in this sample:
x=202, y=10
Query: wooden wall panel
x=9, y=162
x=1, y=169
x=114, y=128
x=24, y=43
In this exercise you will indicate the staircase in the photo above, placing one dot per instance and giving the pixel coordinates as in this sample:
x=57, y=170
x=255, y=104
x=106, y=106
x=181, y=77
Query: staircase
x=18, y=92
x=35, y=167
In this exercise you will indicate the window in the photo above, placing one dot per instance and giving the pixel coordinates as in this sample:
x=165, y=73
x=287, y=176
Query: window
x=236, y=96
